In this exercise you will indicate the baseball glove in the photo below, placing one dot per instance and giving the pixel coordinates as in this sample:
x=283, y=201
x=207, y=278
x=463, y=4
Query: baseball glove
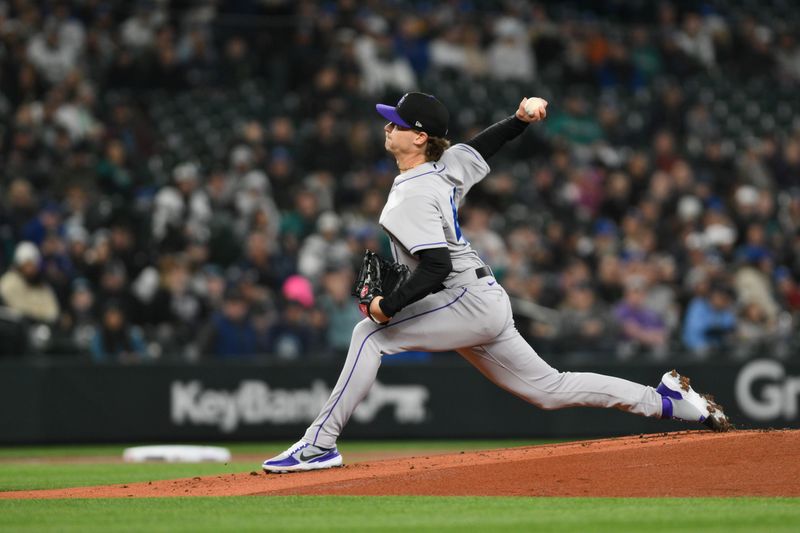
x=377, y=277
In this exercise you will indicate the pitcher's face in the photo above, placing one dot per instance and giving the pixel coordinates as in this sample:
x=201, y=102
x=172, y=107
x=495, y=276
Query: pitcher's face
x=402, y=140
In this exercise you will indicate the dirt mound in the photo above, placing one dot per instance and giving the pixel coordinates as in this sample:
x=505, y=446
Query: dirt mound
x=695, y=463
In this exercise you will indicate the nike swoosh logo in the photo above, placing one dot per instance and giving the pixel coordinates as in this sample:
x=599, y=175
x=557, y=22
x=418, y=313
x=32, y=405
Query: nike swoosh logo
x=492, y=282
x=312, y=455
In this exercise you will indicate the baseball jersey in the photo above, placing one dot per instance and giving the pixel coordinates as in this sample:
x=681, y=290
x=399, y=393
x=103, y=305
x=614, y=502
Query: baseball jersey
x=422, y=209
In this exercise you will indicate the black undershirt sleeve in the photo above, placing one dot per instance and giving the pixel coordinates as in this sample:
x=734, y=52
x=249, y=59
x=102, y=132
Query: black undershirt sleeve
x=434, y=266
x=490, y=140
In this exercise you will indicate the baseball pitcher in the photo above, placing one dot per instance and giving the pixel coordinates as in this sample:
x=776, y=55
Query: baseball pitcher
x=438, y=295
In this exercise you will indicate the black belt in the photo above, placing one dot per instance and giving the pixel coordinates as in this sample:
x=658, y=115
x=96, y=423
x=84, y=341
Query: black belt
x=483, y=271
x=480, y=272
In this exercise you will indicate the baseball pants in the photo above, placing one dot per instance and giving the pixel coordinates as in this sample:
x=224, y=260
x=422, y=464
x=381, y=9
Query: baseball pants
x=476, y=321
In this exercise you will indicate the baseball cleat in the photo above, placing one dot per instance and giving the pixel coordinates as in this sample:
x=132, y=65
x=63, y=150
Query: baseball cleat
x=683, y=403
x=302, y=456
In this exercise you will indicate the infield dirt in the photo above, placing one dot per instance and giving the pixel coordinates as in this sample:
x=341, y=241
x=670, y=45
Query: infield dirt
x=681, y=464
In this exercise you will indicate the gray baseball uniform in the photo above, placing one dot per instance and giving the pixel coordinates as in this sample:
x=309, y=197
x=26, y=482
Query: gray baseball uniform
x=471, y=315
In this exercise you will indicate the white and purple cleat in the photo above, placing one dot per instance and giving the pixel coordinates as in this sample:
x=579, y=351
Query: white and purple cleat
x=680, y=401
x=302, y=456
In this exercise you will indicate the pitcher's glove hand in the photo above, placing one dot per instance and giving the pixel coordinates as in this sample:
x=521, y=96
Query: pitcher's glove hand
x=377, y=277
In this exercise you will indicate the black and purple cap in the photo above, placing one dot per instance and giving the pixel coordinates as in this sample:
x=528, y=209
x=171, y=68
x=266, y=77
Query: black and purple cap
x=418, y=111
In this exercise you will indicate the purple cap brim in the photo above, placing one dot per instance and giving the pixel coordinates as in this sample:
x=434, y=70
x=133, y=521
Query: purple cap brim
x=390, y=113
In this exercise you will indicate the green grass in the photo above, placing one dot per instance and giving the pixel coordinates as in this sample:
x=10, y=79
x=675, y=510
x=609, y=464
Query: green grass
x=359, y=446
x=19, y=475
x=404, y=514
x=47, y=476
x=344, y=513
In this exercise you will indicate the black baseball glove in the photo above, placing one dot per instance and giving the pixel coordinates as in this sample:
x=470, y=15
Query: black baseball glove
x=377, y=277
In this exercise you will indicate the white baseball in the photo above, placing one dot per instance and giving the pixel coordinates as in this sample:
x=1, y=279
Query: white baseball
x=534, y=104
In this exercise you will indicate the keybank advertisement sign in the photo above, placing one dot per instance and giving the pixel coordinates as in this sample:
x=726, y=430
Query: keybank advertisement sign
x=255, y=402
x=765, y=392
x=77, y=402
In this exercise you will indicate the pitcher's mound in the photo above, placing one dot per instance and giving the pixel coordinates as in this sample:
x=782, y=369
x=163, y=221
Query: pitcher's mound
x=694, y=463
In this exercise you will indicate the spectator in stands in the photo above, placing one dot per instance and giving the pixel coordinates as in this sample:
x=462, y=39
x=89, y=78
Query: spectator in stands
x=363, y=145
x=585, y=324
x=382, y=70
x=476, y=60
x=229, y=333
x=76, y=115
x=338, y=306
x=77, y=246
x=484, y=240
x=48, y=221
x=239, y=65
x=175, y=308
x=282, y=134
x=700, y=125
x=20, y=206
x=709, y=321
x=77, y=325
x=52, y=55
x=113, y=286
x=644, y=54
x=669, y=114
x=125, y=248
x=575, y=124
x=181, y=212
x=99, y=49
x=787, y=165
x=510, y=56
x=695, y=40
x=299, y=331
x=788, y=291
x=167, y=71
x=663, y=295
x=752, y=48
x=291, y=338
x=788, y=56
x=253, y=195
x=242, y=160
x=754, y=331
x=23, y=288
x=55, y=265
x=618, y=69
x=326, y=148
x=264, y=261
x=220, y=192
x=411, y=42
x=198, y=57
x=210, y=283
x=138, y=31
x=263, y=316
x=302, y=220
x=282, y=173
x=643, y=331
x=447, y=51
x=130, y=125
x=114, y=175
x=323, y=250
x=117, y=341
x=752, y=280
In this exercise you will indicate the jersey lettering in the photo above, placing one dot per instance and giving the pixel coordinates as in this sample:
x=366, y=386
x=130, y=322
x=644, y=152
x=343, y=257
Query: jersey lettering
x=455, y=215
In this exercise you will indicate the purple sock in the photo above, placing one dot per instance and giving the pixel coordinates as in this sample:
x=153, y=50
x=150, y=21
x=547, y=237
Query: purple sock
x=666, y=407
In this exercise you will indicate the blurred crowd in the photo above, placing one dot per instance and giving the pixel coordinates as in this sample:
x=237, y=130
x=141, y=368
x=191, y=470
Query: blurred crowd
x=198, y=180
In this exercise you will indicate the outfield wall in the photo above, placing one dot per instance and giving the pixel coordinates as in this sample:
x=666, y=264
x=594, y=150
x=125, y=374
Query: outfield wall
x=72, y=402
